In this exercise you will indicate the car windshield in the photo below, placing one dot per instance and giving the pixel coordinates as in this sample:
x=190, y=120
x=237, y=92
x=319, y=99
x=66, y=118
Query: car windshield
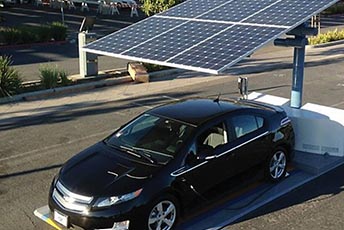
x=152, y=137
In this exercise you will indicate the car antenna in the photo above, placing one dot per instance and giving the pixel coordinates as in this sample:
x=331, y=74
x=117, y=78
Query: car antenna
x=218, y=98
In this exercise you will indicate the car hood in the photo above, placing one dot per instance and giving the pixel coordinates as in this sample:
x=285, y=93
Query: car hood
x=104, y=171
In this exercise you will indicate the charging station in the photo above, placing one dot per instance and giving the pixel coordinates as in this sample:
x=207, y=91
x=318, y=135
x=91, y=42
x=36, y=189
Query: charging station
x=319, y=129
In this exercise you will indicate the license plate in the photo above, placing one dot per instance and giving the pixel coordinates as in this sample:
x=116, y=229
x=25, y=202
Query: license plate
x=60, y=218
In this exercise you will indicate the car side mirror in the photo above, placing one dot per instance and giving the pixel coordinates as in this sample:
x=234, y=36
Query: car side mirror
x=205, y=156
x=206, y=152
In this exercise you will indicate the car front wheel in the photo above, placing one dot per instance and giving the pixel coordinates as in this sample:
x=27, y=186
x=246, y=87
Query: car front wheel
x=163, y=215
x=276, y=166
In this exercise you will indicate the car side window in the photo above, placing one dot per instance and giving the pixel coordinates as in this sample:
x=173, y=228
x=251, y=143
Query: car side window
x=245, y=124
x=212, y=137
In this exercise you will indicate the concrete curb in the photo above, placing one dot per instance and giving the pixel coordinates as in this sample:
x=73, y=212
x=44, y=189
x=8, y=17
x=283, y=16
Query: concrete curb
x=43, y=94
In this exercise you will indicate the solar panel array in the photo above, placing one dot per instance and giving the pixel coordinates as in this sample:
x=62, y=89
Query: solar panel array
x=207, y=35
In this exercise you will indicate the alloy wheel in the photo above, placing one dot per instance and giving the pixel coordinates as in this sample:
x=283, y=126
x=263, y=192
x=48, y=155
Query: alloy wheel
x=278, y=164
x=162, y=216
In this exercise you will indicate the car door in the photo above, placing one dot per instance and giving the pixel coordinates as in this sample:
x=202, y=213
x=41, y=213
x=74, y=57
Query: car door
x=250, y=141
x=205, y=169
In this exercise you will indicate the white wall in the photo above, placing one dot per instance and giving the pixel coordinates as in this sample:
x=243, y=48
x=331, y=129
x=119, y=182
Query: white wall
x=318, y=129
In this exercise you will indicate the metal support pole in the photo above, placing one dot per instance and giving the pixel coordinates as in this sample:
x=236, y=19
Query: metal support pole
x=299, y=43
x=298, y=75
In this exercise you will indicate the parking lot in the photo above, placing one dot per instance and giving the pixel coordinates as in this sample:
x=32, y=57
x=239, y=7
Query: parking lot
x=39, y=136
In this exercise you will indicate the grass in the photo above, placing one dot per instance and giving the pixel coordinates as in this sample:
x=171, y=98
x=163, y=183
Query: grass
x=330, y=36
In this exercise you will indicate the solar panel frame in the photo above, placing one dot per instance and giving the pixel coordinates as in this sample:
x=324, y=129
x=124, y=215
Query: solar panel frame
x=184, y=21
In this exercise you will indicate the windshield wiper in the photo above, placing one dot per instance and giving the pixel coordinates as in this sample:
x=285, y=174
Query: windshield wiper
x=138, y=152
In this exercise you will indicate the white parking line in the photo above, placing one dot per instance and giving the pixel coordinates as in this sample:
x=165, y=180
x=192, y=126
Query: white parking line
x=42, y=151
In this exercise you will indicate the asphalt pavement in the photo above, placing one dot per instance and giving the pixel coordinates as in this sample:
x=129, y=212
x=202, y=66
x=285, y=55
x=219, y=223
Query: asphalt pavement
x=38, y=136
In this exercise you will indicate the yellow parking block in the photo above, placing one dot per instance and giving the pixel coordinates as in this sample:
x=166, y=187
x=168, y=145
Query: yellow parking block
x=43, y=214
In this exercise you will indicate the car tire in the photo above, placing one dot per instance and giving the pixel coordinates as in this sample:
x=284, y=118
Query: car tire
x=163, y=213
x=276, y=165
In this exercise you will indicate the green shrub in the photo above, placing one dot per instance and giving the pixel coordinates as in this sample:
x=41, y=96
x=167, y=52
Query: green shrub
x=11, y=35
x=10, y=81
x=31, y=34
x=28, y=36
x=43, y=33
x=58, y=31
x=49, y=76
x=63, y=78
x=330, y=36
x=150, y=7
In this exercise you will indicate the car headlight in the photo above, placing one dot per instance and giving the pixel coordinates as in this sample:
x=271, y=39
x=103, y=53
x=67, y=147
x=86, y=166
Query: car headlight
x=108, y=201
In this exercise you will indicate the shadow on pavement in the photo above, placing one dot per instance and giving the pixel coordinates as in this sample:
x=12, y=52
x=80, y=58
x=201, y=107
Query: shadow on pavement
x=320, y=189
x=6, y=176
x=64, y=113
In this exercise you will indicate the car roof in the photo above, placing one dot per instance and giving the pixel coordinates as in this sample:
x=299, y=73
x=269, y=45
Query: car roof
x=197, y=111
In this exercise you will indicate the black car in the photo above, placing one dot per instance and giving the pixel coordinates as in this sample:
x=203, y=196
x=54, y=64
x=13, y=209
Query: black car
x=148, y=172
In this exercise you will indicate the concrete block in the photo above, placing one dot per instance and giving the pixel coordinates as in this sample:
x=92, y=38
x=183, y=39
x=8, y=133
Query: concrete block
x=138, y=72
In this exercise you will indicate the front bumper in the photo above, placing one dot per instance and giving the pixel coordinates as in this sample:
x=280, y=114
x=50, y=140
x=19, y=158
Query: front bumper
x=44, y=213
x=96, y=219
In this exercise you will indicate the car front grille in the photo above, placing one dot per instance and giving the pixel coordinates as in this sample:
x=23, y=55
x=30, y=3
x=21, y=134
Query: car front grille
x=69, y=200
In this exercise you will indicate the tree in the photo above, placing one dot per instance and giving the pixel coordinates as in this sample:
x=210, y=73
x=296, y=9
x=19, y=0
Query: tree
x=150, y=7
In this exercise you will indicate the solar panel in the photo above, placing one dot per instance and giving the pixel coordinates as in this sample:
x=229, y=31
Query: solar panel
x=224, y=49
x=207, y=35
x=234, y=10
x=288, y=12
x=174, y=42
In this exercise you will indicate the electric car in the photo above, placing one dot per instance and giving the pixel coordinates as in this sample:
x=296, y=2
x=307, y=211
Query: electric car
x=150, y=171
